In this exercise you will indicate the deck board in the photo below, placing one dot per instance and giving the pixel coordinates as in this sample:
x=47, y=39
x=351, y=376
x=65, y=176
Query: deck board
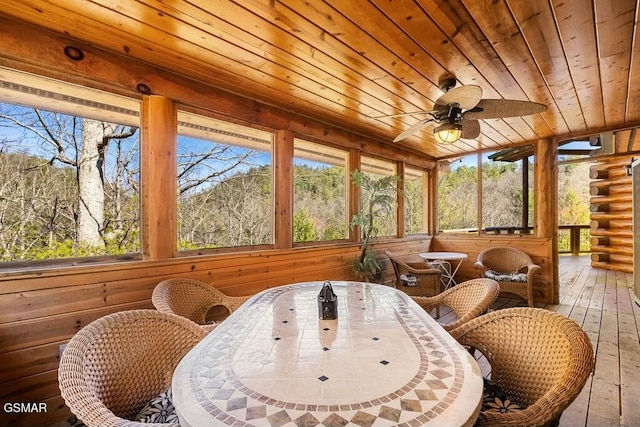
x=601, y=301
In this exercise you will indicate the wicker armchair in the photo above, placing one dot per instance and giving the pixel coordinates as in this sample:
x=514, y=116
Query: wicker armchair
x=539, y=359
x=115, y=365
x=512, y=268
x=192, y=299
x=427, y=279
x=468, y=300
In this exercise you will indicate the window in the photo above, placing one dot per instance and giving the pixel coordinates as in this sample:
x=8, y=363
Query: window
x=458, y=194
x=415, y=213
x=319, y=195
x=225, y=184
x=574, y=205
x=507, y=184
x=69, y=161
x=377, y=169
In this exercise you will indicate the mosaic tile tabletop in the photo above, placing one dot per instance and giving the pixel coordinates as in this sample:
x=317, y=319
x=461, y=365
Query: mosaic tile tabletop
x=273, y=362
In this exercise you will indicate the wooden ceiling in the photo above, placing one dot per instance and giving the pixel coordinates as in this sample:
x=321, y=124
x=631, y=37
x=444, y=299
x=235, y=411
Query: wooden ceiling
x=347, y=62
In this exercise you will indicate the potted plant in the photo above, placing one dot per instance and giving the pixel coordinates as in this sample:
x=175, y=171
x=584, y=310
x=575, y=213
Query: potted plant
x=378, y=200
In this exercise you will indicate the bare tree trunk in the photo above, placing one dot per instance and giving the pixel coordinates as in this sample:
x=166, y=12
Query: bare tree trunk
x=91, y=185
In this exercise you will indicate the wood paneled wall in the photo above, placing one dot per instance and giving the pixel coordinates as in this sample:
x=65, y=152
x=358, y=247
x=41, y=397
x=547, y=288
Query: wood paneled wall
x=42, y=310
x=611, y=215
x=538, y=248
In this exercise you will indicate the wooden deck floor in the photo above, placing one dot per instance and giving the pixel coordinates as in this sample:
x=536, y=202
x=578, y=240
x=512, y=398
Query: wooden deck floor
x=600, y=301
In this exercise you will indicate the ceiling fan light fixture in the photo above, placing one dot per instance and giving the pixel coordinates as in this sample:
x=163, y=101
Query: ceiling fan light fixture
x=447, y=133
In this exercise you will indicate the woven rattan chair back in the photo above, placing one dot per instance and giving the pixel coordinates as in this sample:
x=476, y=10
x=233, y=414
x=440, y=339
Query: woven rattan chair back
x=468, y=300
x=539, y=358
x=115, y=365
x=507, y=259
x=428, y=279
x=192, y=299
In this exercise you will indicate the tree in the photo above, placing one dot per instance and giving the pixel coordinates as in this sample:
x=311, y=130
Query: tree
x=80, y=143
x=303, y=227
x=79, y=146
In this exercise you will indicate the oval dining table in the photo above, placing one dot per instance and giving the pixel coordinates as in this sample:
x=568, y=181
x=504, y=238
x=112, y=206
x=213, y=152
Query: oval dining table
x=383, y=362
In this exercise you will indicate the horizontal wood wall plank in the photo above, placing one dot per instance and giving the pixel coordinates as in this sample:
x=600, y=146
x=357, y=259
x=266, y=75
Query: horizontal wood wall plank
x=29, y=361
x=38, y=331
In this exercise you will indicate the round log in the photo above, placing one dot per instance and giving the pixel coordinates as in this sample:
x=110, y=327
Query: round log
x=612, y=233
x=620, y=207
x=621, y=259
x=603, y=207
x=600, y=257
x=599, y=191
x=614, y=267
x=614, y=198
x=622, y=181
x=613, y=224
x=610, y=190
x=608, y=215
x=599, y=224
x=599, y=241
x=617, y=172
x=598, y=174
x=613, y=249
x=620, y=242
x=611, y=163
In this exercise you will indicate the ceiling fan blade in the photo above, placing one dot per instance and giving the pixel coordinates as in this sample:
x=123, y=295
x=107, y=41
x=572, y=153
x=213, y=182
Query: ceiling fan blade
x=470, y=129
x=499, y=108
x=412, y=129
x=466, y=96
x=404, y=114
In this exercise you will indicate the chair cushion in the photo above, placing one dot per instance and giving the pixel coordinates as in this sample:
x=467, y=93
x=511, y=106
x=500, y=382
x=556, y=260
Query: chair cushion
x=408, y=280
x=494, y=399
x=506, y=277
x=159, y=410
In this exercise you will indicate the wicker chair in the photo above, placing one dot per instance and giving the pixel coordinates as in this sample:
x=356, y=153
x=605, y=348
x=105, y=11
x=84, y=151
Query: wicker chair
x=192, y=299
x=468, y=300
x=512, y=268
x=115, y=365
x=427, y=279
x=539, y=359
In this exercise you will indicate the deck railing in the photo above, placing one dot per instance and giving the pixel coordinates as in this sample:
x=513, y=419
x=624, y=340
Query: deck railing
x=572, y=239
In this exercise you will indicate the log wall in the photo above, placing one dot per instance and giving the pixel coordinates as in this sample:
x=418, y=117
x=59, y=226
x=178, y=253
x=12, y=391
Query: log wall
x=611, y=215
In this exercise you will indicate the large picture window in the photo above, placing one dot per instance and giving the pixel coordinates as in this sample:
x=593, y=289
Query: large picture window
x=458, y=195
x=225, y=184
x=376, y=169
x=319, y=195
x=69, y=167
x=506, y=185
x=507, y=192
x=415, y=214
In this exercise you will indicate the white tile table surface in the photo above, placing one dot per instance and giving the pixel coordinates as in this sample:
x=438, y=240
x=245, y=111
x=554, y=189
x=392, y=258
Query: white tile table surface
x=273, y=362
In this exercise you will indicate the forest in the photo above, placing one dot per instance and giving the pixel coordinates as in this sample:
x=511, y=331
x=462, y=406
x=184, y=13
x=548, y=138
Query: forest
x=70, y=188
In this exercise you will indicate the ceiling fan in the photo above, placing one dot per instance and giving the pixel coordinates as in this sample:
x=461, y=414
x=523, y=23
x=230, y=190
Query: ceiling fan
x=457, y=112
